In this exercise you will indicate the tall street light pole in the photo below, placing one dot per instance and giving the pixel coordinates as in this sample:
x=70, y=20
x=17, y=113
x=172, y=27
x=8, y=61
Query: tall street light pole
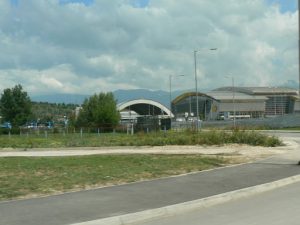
x=196, y=80
x=196, y=86
x=170, y=100
x=299, y=46
x=170, y=86
x=233, y=99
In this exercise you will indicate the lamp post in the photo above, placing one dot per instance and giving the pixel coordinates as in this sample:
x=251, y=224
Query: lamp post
x=299, y=48
x=275, y=101
x=233, y=98
x=196, y=80
x=170, y=86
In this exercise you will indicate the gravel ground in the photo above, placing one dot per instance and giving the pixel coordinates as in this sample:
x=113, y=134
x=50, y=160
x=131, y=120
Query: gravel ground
x=249, y=153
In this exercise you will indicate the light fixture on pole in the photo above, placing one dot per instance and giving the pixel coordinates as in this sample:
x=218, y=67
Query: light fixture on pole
x=275, y=100
x=299, y=46
x=170, y=86
x=233, y=98
x=196, y=81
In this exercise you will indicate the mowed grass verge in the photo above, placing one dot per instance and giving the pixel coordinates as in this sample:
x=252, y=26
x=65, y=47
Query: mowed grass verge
x=215, y=137
x=36, y=176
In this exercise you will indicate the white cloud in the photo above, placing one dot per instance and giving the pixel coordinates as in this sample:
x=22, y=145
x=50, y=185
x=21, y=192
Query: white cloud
x=51, y=82
x=107, y=45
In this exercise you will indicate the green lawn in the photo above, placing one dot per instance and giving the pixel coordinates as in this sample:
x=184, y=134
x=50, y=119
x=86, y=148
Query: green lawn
x=24, y=176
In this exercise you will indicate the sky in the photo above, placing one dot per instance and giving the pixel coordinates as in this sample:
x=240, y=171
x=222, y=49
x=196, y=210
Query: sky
x=92, y=46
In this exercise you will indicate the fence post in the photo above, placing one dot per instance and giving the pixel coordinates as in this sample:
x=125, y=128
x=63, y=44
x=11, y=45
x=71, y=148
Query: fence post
x=98, y=130
x=81, y=132
x=9, y=134
x=132, y=131
x=46, y=134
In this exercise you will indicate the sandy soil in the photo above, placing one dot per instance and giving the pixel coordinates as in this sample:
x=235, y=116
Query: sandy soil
x=248, y=153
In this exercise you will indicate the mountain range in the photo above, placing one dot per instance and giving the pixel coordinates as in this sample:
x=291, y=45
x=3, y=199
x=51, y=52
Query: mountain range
x=120, y=95
x=125, y=95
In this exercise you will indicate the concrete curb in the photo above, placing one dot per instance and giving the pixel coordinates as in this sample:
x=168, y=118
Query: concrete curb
x=171, y=210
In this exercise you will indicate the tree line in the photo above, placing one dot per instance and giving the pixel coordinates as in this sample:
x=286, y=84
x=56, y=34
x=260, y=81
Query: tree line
x=17, y=108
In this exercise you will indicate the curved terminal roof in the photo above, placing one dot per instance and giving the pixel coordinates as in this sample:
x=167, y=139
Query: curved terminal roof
x=189, y=94
x=228, y=95
x=145, y=107
x=260, y=90
x=222, y=96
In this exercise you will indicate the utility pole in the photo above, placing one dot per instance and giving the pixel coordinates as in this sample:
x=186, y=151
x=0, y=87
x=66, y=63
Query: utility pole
x=299, y=44
x=170, y=92
x=196, y=83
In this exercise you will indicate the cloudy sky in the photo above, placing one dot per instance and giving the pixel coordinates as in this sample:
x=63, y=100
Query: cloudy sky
x=88, y=46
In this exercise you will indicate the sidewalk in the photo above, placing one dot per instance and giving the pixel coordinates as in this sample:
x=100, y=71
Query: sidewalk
x=119, y=200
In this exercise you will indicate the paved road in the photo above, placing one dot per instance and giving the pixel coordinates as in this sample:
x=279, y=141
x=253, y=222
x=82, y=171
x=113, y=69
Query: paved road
x=105, y=202
x=118, y=200
x=289, y=156
x=289, y=135
x=277, y=207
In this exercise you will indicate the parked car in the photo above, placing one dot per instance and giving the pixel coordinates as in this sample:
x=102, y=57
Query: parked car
x=6, y=125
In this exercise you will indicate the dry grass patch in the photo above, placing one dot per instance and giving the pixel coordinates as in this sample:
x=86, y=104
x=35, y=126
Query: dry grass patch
x=24, y=176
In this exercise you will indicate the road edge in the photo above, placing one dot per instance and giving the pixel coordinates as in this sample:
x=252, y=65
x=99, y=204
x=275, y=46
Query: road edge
x=184, y=207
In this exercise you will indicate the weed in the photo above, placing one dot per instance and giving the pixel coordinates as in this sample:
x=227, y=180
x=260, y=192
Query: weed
x=212, y=137
x=21, y=176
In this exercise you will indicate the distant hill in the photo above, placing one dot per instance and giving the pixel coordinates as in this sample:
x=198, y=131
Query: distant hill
x=120, y=95
x=126, y=95
x=291, y=84
x=60, y=98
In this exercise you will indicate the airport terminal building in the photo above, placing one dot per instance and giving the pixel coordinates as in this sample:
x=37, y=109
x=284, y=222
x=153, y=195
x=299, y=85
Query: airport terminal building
x=219, y=104
x=243, y=102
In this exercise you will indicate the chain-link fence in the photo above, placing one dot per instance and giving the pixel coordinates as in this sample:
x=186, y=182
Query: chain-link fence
x=283, y=121
x=154, y=125
x=146, y=126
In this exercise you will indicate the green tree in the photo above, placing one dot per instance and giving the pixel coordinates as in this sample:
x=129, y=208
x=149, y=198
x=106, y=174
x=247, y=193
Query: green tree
x=100, y=110
x=15, y=105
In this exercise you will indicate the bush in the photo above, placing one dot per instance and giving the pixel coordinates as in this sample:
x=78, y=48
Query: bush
x=6, y=131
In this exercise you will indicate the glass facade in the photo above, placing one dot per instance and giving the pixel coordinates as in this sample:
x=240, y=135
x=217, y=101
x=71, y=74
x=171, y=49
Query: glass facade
x=188, y=107
x=279, y=105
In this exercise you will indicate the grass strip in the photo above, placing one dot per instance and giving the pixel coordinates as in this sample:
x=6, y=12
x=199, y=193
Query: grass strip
x=24, y=176
x=213, y=137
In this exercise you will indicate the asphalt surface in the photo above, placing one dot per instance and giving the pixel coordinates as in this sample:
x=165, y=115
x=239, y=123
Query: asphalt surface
x=118, y=200
x=277, y=207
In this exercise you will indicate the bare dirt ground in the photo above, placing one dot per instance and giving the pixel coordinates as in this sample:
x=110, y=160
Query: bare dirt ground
x=243, y=153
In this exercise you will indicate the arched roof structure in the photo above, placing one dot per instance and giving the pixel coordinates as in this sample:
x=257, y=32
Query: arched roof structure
x=189, y=94
x=145, y=107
